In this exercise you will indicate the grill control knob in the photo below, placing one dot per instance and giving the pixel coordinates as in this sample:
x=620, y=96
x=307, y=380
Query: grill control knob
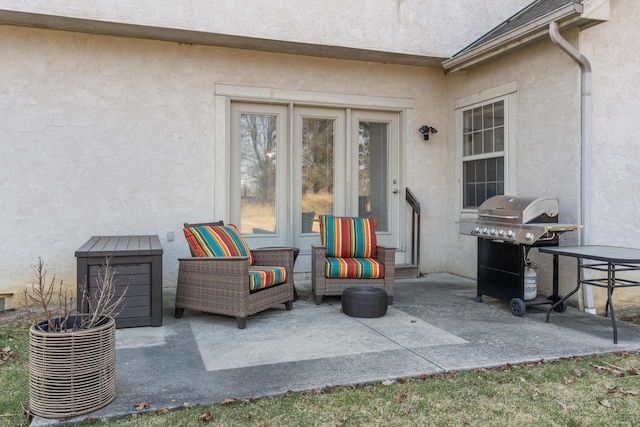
x=493, y=231
x=510, y=233
x=476, y=230
x=500, y=232
x=485, y=230
x=528, y=236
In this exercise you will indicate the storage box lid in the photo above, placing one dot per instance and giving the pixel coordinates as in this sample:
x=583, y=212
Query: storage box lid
x=120, y=246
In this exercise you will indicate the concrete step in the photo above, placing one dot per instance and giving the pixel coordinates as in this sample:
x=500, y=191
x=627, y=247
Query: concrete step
x=406, y=271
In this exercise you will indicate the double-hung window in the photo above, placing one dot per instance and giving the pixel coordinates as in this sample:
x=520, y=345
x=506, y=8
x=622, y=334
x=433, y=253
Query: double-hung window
x=485, y=123
x=483, y=152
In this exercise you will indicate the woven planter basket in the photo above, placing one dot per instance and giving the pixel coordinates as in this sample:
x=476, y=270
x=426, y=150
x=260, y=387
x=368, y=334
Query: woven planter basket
x=71, y=373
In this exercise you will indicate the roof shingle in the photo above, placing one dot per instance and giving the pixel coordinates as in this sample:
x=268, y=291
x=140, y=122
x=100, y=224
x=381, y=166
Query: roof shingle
x=535, y=10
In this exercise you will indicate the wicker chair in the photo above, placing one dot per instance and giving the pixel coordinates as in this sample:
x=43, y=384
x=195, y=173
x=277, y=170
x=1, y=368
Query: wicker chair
x=221, y=285
x=322, y=285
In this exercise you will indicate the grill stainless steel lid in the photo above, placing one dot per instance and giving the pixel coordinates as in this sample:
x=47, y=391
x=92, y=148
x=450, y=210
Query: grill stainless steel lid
x=519, y=209
x=516, y=219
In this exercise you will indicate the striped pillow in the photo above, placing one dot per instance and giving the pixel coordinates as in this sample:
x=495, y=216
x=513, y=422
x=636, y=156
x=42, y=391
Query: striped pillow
x=217, y=241
x=348, y=237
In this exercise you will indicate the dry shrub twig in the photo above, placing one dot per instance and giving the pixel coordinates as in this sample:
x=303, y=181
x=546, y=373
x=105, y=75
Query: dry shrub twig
x=102, y=303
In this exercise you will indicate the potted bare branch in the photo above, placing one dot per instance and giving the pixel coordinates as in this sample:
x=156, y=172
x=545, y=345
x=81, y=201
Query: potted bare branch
x=71, y=354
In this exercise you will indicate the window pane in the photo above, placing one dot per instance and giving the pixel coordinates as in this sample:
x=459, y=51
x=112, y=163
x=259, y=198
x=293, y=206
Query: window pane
x=467, y=121
x=467, y=141
x=258, y=173
x=480, y=171
x=372, y=173
x=500, y=169
x=477, y=119
x=318, y=137
x=468, y=171
x=498, y=113
x=477, y=143
x=492, y=174
x=487, y=116
x=498, y=134
x=480, y=194
x=487, y=141
x=469, y=195
x=492, y=189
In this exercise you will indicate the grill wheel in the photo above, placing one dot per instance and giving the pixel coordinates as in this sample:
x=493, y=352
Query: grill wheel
x=518, y=307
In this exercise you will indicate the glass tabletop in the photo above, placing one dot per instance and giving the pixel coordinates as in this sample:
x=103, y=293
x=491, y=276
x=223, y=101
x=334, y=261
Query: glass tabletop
x=611, y=254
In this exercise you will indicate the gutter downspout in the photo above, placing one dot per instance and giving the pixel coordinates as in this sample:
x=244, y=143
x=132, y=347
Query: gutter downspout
x=585, y=135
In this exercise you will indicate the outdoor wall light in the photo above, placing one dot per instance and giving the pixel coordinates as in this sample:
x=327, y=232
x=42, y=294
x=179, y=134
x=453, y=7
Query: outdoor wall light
x=426, y=130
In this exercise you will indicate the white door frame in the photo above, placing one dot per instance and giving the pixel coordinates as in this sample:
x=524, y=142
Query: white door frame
x=225, y=94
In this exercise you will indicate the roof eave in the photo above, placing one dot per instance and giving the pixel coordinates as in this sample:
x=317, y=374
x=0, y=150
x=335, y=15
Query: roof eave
x=567, y=17
x=190, y=36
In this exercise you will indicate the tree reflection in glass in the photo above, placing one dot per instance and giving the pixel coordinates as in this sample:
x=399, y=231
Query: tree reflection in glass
x=258, y=173
x=318, y=137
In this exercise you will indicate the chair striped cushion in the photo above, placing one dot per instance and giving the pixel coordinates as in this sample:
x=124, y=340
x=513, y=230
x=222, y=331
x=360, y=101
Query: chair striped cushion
x=216, y=241
x=348, y=237
x=354, y=268
x=263, y=277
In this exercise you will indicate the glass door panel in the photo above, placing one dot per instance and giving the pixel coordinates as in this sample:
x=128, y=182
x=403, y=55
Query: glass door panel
x=374, y=167
x=258, y=163
x=318, y=172
x=259, y=185
x=316, y=186
x=373, y=176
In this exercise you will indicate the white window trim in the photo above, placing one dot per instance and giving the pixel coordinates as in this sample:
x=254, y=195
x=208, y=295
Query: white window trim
x=506, y=92
x=255, y=94
x=224, y=94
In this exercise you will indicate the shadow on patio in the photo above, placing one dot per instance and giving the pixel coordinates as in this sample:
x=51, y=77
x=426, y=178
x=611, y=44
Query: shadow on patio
x=434, y=326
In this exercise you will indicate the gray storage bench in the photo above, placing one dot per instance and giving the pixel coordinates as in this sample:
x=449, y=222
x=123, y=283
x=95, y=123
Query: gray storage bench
x=137, y=261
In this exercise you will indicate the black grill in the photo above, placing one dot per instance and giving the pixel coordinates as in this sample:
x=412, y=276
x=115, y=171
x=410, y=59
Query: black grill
x=507, y=227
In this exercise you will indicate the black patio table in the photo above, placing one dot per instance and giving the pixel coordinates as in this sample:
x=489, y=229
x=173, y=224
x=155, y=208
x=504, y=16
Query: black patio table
x=612, y=259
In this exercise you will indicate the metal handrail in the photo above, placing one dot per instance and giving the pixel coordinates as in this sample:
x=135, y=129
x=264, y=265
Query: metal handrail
x=415, y=227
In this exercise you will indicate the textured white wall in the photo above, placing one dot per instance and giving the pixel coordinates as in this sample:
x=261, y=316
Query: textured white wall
x=612, y=48
x=436, y=28
x=105, y=135
x=547, y=142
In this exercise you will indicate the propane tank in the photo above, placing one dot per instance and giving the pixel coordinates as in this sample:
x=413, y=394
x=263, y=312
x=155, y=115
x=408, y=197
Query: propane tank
x=530, y=284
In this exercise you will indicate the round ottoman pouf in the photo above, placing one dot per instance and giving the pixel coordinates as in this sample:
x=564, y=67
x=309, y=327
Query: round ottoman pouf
x=364, y=301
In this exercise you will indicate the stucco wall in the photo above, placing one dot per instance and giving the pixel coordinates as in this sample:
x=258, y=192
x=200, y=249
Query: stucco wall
x=105, y=135
x=612, y=48
x=421, y=27
x=547, y=141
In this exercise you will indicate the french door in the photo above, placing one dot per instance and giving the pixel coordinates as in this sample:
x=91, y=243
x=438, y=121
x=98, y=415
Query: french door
x=293, y=163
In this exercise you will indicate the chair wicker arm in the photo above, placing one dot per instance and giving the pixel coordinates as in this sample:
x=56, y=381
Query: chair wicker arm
x=318, y=279
x=206, y=275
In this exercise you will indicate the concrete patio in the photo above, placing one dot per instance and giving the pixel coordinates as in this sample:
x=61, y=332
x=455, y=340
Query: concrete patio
x=434, y=326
